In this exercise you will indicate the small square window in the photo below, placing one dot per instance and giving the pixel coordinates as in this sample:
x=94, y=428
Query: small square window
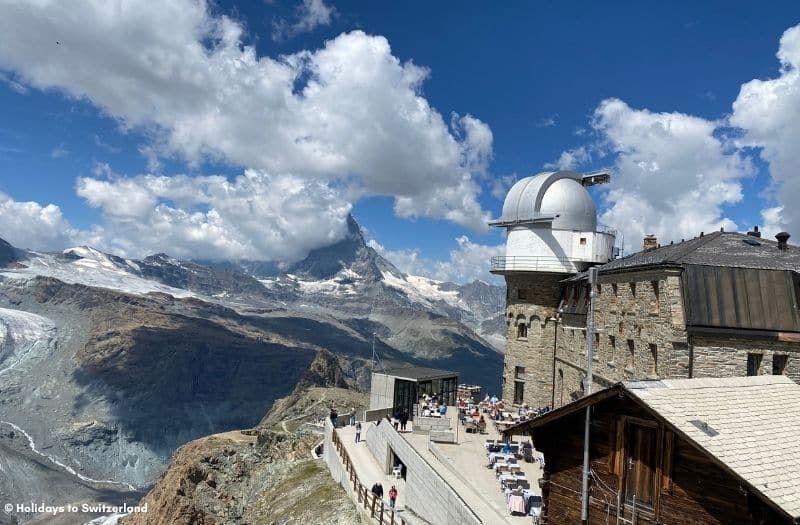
x=583, y=241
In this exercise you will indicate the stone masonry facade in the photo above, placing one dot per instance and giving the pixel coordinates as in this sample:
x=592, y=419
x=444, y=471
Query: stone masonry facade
x=641, y=333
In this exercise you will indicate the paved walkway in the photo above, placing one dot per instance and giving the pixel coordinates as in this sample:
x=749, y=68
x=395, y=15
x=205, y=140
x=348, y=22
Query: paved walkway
x=464, y=468
x=368, y=470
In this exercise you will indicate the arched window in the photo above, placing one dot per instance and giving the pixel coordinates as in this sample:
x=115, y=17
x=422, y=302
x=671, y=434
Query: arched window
x=522, y=327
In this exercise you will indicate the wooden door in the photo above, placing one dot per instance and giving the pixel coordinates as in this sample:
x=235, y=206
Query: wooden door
x=640, y=473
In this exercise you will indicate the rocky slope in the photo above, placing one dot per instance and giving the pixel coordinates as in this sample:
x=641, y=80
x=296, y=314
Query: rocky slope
x=255, y=477
x=264, y=475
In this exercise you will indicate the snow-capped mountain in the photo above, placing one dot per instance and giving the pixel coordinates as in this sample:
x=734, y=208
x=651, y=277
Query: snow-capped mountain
x=109, y=363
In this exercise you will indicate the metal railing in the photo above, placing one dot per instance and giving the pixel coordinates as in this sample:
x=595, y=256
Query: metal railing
x=366, y=498
x=532, y=263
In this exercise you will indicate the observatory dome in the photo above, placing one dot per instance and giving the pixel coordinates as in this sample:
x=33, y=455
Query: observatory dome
x=552, y=194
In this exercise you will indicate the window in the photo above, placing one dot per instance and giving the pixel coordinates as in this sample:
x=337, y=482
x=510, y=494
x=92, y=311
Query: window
x=583, y=241
x=779, y=364
x=519, y=392
x=612, y=342
x=653, y=360
x=631, y=355
x=519, y=372
x=522, y=330
x=655, y=307
x=753, y=364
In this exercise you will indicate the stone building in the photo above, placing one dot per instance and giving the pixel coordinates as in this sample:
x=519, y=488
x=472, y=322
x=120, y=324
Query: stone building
x=722, y=304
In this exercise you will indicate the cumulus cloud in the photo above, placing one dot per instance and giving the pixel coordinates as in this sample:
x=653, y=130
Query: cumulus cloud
x=570, y=159
x=309, y=15
x=31, y=225
x=673, y=175
x=468, y=262
x=255, y=216
x=349, y=114
x=768, y=112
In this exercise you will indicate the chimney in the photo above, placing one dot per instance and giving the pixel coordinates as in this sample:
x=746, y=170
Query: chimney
x=755, y=232
x=650, y=242
x=782, y=238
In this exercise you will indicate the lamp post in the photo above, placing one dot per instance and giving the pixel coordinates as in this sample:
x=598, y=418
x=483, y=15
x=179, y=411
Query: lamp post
x=587, y=391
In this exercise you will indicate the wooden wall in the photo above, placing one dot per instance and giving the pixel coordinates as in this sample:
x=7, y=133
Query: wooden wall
x=690, y=488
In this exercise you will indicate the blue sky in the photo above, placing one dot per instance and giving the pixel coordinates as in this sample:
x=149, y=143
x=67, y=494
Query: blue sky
x=586, y=78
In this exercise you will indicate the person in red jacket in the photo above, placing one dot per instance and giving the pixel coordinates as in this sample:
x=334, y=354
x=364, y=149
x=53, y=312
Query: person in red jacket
x=392, y=496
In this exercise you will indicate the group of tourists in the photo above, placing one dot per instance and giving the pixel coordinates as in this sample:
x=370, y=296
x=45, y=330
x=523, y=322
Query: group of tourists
x=377, y=489
x=400, y=419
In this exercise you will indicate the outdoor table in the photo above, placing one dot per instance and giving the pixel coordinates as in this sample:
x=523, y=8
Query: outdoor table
x=516, y=504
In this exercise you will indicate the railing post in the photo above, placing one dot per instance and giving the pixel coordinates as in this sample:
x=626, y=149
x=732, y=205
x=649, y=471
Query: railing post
x=392, y=520
x=381, y=519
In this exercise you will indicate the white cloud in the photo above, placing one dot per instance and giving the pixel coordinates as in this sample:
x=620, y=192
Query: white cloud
x=255, y=216
x=547, y=122
x=570, y=159
x=309, y=15
x=768, y=111
x=672, y=175
x=350, y=113
x=468, y=262
x=59, y=151
x=30, y=225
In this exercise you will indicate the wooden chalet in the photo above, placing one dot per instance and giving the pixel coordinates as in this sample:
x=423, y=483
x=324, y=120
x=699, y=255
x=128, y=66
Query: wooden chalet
x=675, y=452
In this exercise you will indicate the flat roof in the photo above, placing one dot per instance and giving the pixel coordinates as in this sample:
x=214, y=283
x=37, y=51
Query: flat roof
x=418, y=373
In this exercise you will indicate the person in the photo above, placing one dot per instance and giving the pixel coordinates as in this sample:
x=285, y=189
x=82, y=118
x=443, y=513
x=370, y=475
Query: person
x=443, y=409
x=379, y=493
x=392, y=496
x=353, y=416
x=396, y=418
x=376, y=489
x=358, y=431
x=403, y=420
x=334, y=416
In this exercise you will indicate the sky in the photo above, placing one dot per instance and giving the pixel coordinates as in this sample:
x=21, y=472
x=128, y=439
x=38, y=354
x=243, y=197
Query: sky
x=251, y=130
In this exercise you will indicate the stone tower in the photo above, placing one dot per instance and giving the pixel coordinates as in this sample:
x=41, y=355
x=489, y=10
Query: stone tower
x=552, y=234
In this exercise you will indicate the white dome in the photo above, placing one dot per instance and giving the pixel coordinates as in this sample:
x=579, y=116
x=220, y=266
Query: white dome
x=557, y=195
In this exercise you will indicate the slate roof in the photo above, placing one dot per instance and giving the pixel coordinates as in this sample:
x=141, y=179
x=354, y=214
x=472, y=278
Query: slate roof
x=753, y=427
x=714, y=249
x=419, y=373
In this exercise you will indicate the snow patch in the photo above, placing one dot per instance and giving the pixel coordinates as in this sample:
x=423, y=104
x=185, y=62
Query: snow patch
x=423, y=290
x=22, y=336
x=92, y=268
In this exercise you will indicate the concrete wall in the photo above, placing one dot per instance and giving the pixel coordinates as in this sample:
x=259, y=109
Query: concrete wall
x=381, y=391
x=334, y=462
x=428, y=494
x=423, y=425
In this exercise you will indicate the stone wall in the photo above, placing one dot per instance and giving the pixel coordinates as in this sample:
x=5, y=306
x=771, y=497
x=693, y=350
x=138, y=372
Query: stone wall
x=532, y=301
x=428, y=495
x=726, y=356
x=641, y=334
